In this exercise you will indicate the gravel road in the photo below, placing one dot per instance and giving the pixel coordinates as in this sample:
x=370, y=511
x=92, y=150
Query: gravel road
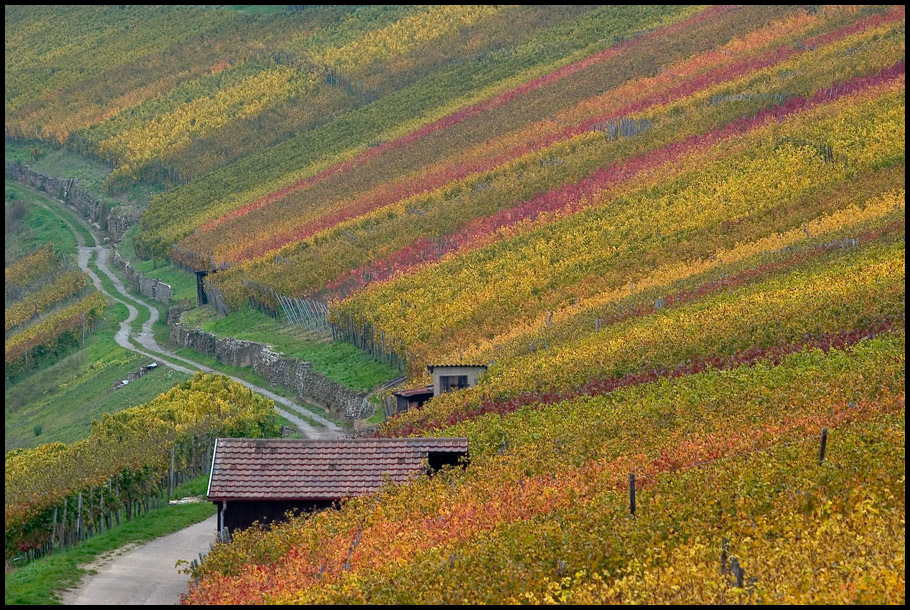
x=144, y=575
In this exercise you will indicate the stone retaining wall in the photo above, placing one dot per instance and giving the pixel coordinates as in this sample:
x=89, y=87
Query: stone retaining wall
x=149, y=287
x=115, y=221
x=277, y=368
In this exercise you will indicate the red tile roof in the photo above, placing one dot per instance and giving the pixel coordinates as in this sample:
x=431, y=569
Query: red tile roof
x=291, y=469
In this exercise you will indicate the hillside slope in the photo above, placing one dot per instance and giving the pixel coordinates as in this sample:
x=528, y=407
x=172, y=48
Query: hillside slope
x=675, y=234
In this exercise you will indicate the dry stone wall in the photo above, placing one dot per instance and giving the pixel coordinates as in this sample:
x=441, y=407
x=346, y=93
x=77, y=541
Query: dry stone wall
x=97, y=212
x=115, y=221
x=149, y=287
x=278, y=369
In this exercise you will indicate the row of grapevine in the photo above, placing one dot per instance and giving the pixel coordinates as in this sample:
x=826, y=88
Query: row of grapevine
x=67, y=45
x=52, y=333
x=61, y=288
x=369, y=180
x=482, y=230
x=349, y=56
x=338, y=95
x=57, y=494
x=301, y=216
x=29, y=269
x=166, y=132
x=545, y=496
x=682, y=218
x=177, y=49
x=400, y=112
x=676, y=284
x=396, y=238
x=98, y=508
x=802, y=305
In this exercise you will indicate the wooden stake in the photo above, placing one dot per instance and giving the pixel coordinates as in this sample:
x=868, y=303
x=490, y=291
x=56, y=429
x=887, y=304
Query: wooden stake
x=632, y=493
x=821, y=452
x=54, y=529
x=63, y=525
x=737, y=572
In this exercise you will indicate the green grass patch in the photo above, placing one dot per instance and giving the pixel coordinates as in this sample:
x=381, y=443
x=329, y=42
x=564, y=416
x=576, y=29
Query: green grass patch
x=90, y=174
x=256, y=9
x=377, y=417
x=247, y=374
x=193, y=487
x=39, y=582
x=63, y=398
x=142, y=314
x=37, y=227
x=59, y=233
x=183, y=282
x=61, y=163
x=160, y=330
x=338, y=361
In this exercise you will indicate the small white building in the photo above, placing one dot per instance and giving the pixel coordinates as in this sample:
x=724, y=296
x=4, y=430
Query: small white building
x=447, y=377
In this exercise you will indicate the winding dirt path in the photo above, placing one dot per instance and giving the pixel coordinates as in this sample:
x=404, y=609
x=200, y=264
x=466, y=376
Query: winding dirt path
x=147, y=574
x=148, y=347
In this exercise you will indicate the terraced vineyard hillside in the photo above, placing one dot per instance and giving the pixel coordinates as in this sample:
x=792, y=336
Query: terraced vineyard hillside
x=675, y=235
x=48, y=307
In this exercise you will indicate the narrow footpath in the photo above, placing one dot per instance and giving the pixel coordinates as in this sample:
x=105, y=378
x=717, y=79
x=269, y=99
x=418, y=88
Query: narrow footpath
x=144, y=575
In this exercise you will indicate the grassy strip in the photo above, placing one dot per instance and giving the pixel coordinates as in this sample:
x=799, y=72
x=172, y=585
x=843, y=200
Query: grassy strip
x=160, y=330
x=57, y=232
x=340, y=362
x=36, y=228
x=142, y=315
x=89, y=173
x=247, y=374
x=82, y=380
x=183, y=282
x=39, y=582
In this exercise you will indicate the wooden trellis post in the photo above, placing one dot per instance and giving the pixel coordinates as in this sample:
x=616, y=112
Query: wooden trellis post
x=821, y=451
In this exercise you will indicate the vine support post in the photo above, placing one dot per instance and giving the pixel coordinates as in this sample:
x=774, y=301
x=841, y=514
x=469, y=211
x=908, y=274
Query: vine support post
x=821, y=451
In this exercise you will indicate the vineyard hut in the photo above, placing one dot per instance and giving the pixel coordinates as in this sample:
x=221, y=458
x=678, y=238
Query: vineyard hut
x=448, y=377
x=412, y=399
x=262, y=479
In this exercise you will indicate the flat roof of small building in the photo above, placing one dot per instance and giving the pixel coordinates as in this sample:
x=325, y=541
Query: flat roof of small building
x=414, y=392
x=430, y=367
